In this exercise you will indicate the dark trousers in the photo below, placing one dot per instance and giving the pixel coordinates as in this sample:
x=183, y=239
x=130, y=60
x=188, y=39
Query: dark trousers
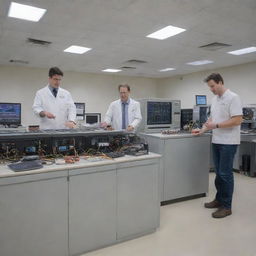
x=223, y=157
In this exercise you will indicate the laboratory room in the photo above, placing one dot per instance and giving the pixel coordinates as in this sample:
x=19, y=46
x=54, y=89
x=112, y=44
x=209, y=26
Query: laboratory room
x=127, y=128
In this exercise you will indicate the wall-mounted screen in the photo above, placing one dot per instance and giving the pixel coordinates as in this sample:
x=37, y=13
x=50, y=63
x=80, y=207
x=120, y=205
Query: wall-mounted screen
x=201, y=100
x=10, y=114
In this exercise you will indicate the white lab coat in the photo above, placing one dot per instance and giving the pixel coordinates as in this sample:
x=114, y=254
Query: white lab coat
x=113, y=116
x=62, y=107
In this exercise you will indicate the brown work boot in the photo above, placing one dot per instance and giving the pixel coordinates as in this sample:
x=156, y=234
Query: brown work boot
x=221, y=213
x=213, y=204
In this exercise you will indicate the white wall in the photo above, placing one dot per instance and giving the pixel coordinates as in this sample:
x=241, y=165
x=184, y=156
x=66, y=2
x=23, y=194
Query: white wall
x=240, y=79
x=19, y=84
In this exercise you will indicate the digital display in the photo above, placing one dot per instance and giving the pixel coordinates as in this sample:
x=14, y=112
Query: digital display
x=159, y=113
x=201, y=100
x=63, y=148
x=10, y=113
x=31, y=149
x=92, y=118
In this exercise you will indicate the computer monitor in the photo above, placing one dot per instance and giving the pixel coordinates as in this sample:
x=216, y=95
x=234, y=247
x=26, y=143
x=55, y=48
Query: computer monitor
x=80, y=110
x=92, y=118
x=201, y=100
x=159, y=114
x=10, y=114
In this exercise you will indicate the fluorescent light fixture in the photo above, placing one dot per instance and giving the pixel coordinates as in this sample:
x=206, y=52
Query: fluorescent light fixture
x=166, y=32
x=200, y=62
x=166, y=69
x=77, y=49
x=25, y=12
x=243, y=51
x=111, y=70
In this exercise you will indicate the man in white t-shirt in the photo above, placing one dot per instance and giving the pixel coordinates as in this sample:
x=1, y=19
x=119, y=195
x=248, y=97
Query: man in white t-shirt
x=225, y=120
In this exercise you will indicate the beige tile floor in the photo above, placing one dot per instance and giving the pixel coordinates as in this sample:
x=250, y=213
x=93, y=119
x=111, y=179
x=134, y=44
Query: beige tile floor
x=187, y=228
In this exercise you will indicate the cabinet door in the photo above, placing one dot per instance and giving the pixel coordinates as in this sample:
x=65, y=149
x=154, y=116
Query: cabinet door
x=92, y=211
x=33, y=217
x=137, y=198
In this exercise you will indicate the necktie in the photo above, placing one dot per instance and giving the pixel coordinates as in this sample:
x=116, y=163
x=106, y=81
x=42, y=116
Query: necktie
x=54, y=92
x=123, y=115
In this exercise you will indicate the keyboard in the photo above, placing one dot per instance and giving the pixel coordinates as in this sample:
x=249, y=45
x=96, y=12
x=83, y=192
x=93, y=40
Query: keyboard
x=115, y=154
x=26, y=165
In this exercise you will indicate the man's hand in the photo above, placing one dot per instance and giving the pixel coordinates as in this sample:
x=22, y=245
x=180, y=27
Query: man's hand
x=210, y=125
x=70, y=124
x=199, y=131
x=47, y=114
x=130, y=128
x=106, y=126
x=103, y=125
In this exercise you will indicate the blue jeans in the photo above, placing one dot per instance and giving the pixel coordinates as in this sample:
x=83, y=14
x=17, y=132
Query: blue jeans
x=223, y=157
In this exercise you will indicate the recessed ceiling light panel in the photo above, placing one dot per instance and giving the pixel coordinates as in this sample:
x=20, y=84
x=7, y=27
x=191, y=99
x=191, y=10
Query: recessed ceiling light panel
x=111, y=70
x=25, y=12
x=243, y=51
x=200, y=62
x=77, y=49
x=166, y=69
x=166, y=32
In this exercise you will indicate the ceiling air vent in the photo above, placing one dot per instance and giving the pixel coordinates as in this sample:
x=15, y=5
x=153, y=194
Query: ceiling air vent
x=19, y=61
x=127, y=67
x=134, y=61
x=214, y=46
x=38, y=42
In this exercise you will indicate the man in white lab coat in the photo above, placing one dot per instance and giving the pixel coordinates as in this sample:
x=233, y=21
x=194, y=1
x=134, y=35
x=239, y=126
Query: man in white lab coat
x=123, y=114
x=54, y=105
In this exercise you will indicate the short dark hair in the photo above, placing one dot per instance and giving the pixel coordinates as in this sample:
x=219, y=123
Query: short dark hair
x=55, y=71
x=125, y=86
x=216, y=77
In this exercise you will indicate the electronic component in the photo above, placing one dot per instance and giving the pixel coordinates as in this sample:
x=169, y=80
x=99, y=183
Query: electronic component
x=186, y=117
x=249, y=113
x=63, y=148
x=136, y=149
x=201, y=114
x=30, y=149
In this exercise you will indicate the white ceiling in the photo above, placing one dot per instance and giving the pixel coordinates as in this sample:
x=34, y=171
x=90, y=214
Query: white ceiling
x=116, y=31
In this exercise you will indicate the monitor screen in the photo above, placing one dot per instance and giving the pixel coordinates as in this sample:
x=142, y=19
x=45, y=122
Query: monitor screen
x=201, y=100
x=10, y=113
x=92, y=118
x=80, y=110
x=159, y=113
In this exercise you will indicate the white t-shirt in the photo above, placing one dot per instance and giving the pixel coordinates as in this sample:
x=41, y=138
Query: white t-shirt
x=222, y=109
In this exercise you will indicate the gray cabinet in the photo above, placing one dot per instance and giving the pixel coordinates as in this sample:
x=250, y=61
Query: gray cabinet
x=69, y=212
x=137, y=198
x=186, y=164
x=184, y=167
x=92, y=208
x=33, y=215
